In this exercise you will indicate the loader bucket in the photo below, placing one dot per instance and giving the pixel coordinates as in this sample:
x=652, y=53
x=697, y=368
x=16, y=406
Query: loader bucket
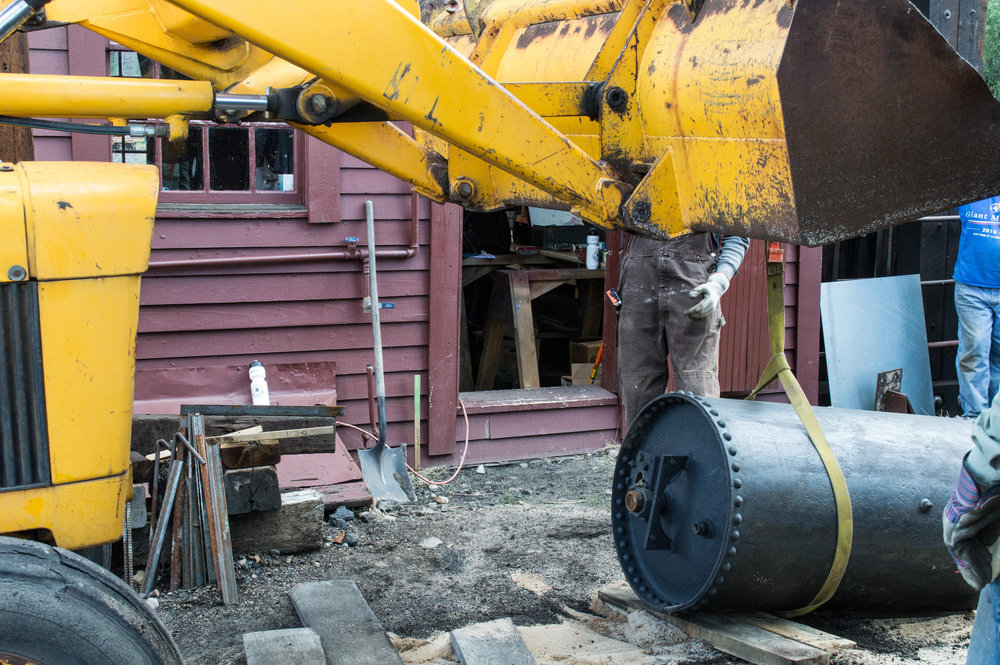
x=809, y=122
x=884, y=121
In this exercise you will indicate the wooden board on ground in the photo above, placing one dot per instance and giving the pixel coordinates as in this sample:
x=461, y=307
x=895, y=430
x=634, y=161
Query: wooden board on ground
x=352, y=494
x=727, y=634
x=350, y=632
x=289, y=646
x=796, y=631
x=491, y=642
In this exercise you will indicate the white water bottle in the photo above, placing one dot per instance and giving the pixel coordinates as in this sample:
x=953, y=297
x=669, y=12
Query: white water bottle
x=258, y=384
x=593, y=249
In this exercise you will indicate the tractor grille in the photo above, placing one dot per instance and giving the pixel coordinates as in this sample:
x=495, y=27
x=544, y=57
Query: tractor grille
x=24, y=447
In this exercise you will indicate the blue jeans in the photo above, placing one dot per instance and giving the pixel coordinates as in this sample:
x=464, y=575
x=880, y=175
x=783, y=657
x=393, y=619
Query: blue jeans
x=978, y=360
x=984, y=644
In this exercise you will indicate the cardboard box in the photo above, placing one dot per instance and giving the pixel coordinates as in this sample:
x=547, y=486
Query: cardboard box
x=580, y=374
x=584, y=350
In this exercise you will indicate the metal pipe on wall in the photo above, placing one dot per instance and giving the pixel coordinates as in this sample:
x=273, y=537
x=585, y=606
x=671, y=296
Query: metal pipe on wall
x=350, y=253
x=724, y=504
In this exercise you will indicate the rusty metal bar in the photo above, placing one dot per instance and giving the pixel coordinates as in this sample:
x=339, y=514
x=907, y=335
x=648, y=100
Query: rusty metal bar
x=159, y=534
x=176, y=539
x=218, y=518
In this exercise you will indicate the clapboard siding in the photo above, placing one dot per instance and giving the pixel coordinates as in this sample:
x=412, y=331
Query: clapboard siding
x=280, y=288
x=268, y=315
x=233, y=233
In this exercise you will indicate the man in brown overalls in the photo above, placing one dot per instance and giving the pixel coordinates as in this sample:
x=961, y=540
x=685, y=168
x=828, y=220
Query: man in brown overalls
x=659, y=279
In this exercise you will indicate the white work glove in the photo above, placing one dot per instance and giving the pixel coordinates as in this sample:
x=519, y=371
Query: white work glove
x=710, y=293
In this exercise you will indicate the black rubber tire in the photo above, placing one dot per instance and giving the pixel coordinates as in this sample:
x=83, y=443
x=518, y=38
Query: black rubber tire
x=57, y=608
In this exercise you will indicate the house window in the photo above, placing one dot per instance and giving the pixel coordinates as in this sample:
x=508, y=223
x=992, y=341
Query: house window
x=255, y=162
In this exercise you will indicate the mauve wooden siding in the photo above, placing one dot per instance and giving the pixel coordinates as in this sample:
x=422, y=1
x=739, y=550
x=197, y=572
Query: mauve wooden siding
x=307, y=311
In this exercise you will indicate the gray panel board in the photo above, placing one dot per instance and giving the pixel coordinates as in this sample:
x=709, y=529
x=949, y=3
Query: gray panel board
x=871, y=326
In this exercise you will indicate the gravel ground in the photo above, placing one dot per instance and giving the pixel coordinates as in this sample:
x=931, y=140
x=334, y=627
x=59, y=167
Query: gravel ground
x=529, y=541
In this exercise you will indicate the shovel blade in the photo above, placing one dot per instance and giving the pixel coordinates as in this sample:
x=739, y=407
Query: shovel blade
x=384, y=472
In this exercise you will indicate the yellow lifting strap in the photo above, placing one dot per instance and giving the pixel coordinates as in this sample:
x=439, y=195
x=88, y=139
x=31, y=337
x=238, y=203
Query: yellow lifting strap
x=777, y=368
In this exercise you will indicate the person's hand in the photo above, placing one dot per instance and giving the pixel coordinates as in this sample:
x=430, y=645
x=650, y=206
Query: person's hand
x=970, y=524
x=710, y=293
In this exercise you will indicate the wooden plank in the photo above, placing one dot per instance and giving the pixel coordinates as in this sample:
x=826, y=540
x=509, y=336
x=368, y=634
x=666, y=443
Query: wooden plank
x=289, y=646
x=276, y=340
x=179, y=230
x=539, y=287
x=256, y=288
x=531, y=447
x=317, y=470
x=322, y=181
x=524, y=332
x=543, y=423
x=226, y=316
x=348, y=629
x=269, y=436
x=442, y=336
x=16, y=143
x=243, y=455
x=796, y=631
x=489, y=643
x=753, y=644
x=147, y=428
x=502, y=401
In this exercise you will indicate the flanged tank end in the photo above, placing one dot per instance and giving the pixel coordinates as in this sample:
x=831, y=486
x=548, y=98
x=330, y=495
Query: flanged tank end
x=670, y=551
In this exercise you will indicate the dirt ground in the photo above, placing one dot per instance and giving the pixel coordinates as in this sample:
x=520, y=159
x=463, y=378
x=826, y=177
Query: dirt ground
x=529, y=541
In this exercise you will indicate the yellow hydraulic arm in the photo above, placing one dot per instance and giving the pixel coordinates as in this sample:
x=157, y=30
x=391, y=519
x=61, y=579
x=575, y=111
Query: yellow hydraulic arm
x=807, y=121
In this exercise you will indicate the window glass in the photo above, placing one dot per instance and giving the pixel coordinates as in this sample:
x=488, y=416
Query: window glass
x=181, y=163
x=228, y=166
x=274, y=160
x=251, y=158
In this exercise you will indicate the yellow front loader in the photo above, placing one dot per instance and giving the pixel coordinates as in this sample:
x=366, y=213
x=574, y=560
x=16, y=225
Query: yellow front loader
x=805, y=121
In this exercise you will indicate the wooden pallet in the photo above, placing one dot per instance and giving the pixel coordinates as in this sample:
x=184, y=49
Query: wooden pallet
x=757, y=637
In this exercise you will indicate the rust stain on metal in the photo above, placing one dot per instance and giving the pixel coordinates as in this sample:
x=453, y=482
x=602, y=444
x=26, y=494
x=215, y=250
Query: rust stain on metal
x=392, y=91
x=537, y=31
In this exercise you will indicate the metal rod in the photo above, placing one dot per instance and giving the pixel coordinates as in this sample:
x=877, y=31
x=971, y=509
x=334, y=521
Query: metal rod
x=218, y=518
x=173, y=481
x=376, y=320
x=12, y=16
x=372, y=409
x=354, y=253
x=416, y=422
x=230, y=102
x=177, y=535
x=180, y=437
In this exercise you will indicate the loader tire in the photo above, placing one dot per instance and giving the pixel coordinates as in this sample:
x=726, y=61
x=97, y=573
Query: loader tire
x=57, y=608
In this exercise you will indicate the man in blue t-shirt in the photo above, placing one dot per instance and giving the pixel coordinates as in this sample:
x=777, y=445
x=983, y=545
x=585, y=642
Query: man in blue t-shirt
x=977, y=301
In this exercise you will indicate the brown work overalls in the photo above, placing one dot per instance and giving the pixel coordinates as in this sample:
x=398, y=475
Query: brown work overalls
x=656, y=278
